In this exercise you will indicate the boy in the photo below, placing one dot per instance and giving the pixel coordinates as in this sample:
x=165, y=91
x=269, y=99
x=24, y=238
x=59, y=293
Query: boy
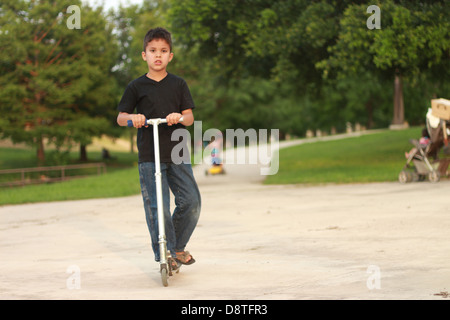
x=159, y=94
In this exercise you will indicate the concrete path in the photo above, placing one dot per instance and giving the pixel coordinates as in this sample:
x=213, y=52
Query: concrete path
x=363, y=241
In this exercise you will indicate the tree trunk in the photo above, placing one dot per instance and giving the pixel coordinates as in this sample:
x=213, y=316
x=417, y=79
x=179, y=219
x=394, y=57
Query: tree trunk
x=40, y=151
x=399, y=108
x=369, y=109
x=83, y=153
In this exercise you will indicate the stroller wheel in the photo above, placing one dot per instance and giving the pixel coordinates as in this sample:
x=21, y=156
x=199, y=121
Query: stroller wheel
x=434, y=176
x=405, y=176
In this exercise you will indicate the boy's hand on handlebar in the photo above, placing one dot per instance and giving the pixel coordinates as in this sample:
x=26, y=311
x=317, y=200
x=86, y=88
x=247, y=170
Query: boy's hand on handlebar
x=173, y=118
x=139, y=120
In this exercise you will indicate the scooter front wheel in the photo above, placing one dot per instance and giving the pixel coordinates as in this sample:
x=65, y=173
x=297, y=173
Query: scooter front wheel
x=164, y=275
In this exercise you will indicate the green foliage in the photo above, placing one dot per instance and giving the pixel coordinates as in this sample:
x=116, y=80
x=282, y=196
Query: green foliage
x=323, y=66
x=293, y=65
x=54, y=78
x=413, y=39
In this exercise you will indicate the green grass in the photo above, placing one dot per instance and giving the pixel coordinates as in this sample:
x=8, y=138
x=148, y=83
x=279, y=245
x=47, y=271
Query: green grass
x=373, y=157
x=11, y=158
x=121, y=179
x=369, y=158
x=118, y=183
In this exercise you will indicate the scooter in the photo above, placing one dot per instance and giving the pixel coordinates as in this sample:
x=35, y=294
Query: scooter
x=166, y=260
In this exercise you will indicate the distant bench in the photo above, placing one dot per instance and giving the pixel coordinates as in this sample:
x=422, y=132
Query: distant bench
x=25, y=176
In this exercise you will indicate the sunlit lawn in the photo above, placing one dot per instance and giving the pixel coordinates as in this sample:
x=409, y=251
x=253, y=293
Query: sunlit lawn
x=367, y=158
x=121, y=179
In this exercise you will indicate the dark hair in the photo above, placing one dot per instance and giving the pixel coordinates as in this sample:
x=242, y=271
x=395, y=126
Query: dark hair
x=158, y=33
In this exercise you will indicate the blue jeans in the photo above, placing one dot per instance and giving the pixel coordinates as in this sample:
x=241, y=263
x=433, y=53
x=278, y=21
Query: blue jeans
x=181, y=224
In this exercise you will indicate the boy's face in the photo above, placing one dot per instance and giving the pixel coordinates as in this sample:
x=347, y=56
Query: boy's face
x=157, y=55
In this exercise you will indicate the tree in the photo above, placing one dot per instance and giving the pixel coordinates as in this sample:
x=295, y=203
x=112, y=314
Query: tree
x=55, y=78
x=260, y=47
x=94, y=115
x=414, y=37
x=316, y=62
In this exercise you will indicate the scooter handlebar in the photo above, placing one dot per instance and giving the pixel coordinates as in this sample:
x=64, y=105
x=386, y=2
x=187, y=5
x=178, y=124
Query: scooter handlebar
x=150, y=121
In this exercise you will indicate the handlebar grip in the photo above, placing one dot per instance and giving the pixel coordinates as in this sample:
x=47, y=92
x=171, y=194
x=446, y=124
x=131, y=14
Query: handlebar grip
x=130, y=122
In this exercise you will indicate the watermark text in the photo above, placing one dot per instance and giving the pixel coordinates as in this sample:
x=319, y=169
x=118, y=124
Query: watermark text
x=374, y=21
x=74, y=20
x=254, y=147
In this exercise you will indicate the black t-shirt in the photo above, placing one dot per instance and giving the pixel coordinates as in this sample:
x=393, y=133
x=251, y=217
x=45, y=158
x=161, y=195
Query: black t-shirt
x=156, y=100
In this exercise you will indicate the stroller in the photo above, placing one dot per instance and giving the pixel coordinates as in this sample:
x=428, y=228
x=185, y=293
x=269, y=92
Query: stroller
x=423, y=161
